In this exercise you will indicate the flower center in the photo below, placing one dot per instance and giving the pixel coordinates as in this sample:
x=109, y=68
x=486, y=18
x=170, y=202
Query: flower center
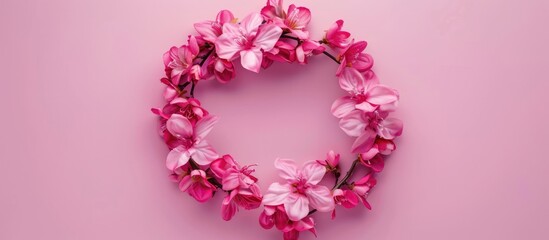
x=300, y=186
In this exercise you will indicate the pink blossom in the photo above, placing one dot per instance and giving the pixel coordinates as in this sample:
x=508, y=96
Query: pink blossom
x=281, y=52
x=247, y=198
x=336, y=38
x=353, y=56
x=222, y=69
x=197, y=185
x=362, y=187
x=306, y=49
x=365, y=93
x=211, y=30
x=346, y=198
x=179, y=61
x=276, y=216
x=191, y=139
x=231, y=174
x=367, y=125
x=332, y=161
x=372, y=158
x=295, y=20
x=300, y=190
x=249, y=38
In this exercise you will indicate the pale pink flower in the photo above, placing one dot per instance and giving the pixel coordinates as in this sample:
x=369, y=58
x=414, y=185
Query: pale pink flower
x=366, y=126
x=247, y=198
x=365, y=93
x=249, y=39
x=362, y=187
x=335, y=37
x=192, y=141
x=300, y=190
x=196, y=184
x=276, y=216
x=179, y=61
x=211, y=30
x=353, y=56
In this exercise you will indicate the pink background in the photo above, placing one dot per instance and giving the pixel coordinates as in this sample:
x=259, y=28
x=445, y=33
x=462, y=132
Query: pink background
x=80, y=156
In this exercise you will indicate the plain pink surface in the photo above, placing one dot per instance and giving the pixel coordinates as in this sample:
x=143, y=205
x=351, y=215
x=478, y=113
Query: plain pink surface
x=80, y=156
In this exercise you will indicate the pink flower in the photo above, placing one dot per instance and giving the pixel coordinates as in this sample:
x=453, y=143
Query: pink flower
x=210, y=30
x=306, y=49
x=249, y=38
x=248, y=198
x=352, y=56
x=296, y=20
x=197, y=185
x=281, y=52
x=346, y=198
x=179, y=61
x=362, y=187
x=336, y=38
x=276, y=216
x=231, y=174
x=222, y=69
x=366, y=94
x=191, y=139
x=300, y=190
x=372, y=158
x=367, y=125
x=332, y=161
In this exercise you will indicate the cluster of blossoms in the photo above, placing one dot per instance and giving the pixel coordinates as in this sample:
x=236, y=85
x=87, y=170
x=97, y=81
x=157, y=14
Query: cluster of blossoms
x=274, y=34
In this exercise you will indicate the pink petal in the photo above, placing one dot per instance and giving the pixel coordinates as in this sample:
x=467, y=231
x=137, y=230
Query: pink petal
x=200, y=192
x=179, y=126
x=177, y=157
x=313, y=172
x=204, y=126
x=296, y=206
x=364, y=142
x=185, y=183
x=320, y=198
x=380, y=94
x=266, y=221
x=366, y=107
x=353, y=124
x=225, y=45
x=300, y=16
x=206, y=30
x=251, y=22
x=343, y=106
x=287, y=168
x=203, y=154
x=351, y=80
x=251, y=59
x=276, y=194
x=231, y=179
x=224, y=16
x=268, y=36
x=228, y=208
x=390, y=128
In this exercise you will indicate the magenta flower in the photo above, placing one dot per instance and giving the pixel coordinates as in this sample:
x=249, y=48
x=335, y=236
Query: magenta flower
x=179, y=61
x=296, y=20
x=300, y=190
x=248, y=198
x=346, y=198
x=331, y=163
x=249, y=39
x=353, y=56
x=362, y=187
x=336, y=38
x=366, y=126
x=211, y=30
x=281, y=52
x=191, y=139
x=276, y=216
x=231, y=174
x=196, y=184
x=366, y=94
x=306, y=49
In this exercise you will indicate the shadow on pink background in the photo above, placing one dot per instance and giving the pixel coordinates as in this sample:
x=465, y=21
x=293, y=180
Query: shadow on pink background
x=81, y=158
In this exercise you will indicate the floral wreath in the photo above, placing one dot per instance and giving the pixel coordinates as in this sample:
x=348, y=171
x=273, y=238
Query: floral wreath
x=259, y=40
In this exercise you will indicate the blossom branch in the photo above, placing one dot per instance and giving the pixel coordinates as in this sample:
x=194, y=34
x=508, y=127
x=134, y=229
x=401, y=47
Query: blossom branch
x=347, y=176
x=325, y=52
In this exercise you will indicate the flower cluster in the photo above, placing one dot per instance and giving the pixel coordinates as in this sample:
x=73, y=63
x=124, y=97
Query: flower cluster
x=275, y=34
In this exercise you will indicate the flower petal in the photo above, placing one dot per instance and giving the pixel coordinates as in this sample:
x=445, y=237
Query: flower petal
x=268, y=36
x=179, y=126
x=296, y=206
x=276, y=194
x=251, y=23
x=353, y=124
x=206, y=30
x=364, y=142
x=320, y=198
x=390, y=128
x=204, y=126
x=287, y=168
x=351, y=80
x=251, y=59
x=203, y=154
x=380, y=95
x=313, y=172
x=343, y=106
x=225, y=45
x=177, y=157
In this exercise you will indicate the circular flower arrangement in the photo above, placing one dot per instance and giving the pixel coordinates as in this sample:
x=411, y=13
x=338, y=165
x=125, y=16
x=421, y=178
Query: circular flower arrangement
x=274, y=35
